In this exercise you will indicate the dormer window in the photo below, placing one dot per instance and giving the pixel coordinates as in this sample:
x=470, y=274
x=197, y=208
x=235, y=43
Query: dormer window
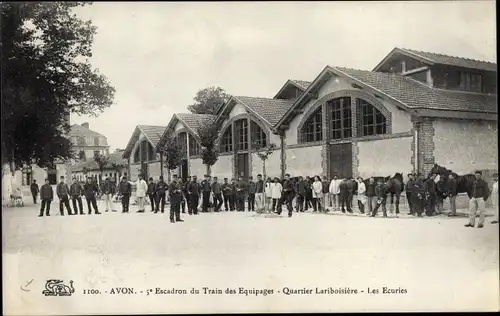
x=471, y=81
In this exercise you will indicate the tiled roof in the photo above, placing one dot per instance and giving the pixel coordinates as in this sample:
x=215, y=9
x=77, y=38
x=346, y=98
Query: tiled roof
x=454, y=61
x=152, y=133
x=270, y=110
x=91, y=165
x=194, y=121
x=78, y=130
x=417, y=95
x=302, y=83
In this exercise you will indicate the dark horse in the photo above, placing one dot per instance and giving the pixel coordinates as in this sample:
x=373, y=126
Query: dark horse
x=464, y=182
x=393, y=186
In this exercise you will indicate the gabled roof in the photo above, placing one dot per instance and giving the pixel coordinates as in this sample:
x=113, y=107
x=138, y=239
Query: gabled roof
x=410, y=94
x=434, y=58
x=415, y=95
x=301, y=84
x=78, y=130
x=269, y=110
x=151, y=132
x=190, y=120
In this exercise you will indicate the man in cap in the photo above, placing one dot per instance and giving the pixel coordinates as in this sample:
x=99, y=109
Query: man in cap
x=175, y=193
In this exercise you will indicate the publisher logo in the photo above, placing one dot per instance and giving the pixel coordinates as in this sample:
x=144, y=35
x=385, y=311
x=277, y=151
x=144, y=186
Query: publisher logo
x=58, y=288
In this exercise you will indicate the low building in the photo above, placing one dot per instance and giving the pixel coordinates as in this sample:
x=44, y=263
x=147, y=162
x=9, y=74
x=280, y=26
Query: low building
x=115, y=167
x=412, y=110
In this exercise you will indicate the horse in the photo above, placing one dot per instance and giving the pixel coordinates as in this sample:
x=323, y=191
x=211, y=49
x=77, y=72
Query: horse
x=464, y=182
x=394, y=186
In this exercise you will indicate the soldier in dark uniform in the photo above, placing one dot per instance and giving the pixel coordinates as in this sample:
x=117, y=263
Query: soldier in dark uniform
x=34, y=190
x=226, y=192
x=300, y=188
x=308, y=191
x=233, y=197
x=175, y=192
x=62, y=191
x=185, y=201
x=76, y=192
x=194, y=196
x=418, y=195
x=381, y=198
x=409, y=190
x=251, y=195
x=430, y=201
x=241, y=188
x=125, y=190
x=287, y=195
x=217, y=192
x=205, y=190
x=152, y=193
x=161, y=188
x=90, y=189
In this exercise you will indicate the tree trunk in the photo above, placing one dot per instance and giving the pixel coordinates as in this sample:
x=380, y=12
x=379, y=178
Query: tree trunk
x=209, y=170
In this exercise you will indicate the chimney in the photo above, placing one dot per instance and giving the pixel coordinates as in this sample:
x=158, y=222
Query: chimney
x=86, y=125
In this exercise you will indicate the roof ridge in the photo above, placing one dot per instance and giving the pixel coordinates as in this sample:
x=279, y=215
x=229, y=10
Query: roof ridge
x=446, y=55
x=263, y=98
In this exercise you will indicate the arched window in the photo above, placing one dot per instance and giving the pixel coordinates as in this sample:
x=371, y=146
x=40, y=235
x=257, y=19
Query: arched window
x=371, y=120
x=312, y=131
x=226, y=141
x=340, y=118
x=137, y=154
x=258, y=135
x=182, y=142
x=96, y=141
x=241, y=129
x=81, y=141
x=194, y=147
x=151, y=152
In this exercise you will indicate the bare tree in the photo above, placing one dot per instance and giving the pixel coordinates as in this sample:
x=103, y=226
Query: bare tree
x=263, y=152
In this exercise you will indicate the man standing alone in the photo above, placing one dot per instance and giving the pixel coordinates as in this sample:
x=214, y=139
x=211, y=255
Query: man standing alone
x=46, y=196
x=76, y=192
x=480, y=193
x=62, y=191
x=34, y=190
x=175, y=192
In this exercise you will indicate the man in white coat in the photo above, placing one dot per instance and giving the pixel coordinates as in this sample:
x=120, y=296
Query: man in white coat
x=141, y=189
x=335, y=192
x=361, y=195
x=494, y=198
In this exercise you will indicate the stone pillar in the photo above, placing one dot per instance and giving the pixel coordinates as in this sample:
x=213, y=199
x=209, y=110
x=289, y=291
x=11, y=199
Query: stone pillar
x=188, y=154
x=235, y=158
x=325, y=147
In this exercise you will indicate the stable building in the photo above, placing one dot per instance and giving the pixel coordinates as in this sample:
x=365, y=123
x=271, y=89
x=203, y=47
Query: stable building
x=412, y=110
x=142, y=157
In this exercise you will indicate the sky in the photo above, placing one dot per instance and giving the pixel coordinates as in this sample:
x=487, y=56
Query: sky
x=157, y=55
